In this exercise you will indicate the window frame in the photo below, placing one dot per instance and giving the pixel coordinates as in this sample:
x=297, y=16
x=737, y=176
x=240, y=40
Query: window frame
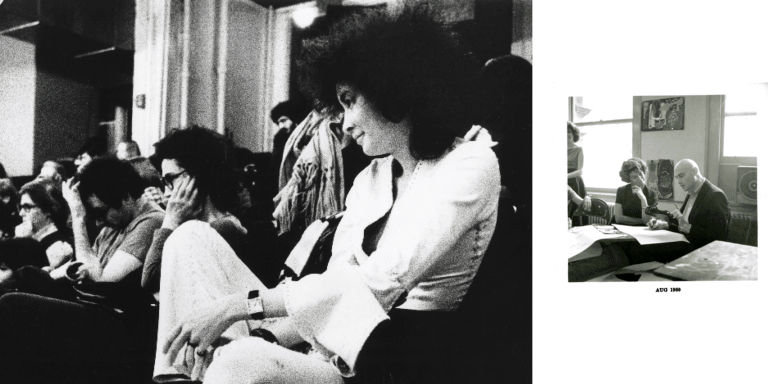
x=609, y=194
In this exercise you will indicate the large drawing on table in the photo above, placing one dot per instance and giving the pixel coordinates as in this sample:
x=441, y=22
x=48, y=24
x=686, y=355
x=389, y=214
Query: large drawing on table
x=663, y=114
x=661, y=177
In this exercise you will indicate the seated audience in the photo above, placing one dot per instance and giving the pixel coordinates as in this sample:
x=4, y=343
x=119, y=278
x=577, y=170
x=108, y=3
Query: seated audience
x=45, y=213
x=128, y=150
x=632, y=199
x=201, y=184
x=91, y=342
x=417, y=224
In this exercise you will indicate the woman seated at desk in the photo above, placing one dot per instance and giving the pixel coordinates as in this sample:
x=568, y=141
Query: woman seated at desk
x=633, y=198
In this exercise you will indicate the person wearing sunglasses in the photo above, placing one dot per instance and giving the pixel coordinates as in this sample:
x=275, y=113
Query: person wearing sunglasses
x=96, y=341
x=201, y=184
x=45, y=213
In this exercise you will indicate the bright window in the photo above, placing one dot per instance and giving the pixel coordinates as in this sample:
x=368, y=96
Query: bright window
x=606, y=137
x=740, y=127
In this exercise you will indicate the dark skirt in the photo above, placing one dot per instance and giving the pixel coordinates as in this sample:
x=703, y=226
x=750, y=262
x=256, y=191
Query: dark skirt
x=414, y=347
x=577, y=184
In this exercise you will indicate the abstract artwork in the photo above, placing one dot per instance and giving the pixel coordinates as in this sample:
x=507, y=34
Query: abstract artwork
x=663, y=114
x=661, y=176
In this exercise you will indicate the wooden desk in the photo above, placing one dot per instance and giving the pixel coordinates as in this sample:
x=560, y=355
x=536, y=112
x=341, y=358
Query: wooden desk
x=718, y=260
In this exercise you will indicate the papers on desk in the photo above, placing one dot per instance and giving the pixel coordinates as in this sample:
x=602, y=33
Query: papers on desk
x=645, y=235
x=582, y=238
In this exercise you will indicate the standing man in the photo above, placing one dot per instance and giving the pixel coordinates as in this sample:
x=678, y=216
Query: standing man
x=287, y=115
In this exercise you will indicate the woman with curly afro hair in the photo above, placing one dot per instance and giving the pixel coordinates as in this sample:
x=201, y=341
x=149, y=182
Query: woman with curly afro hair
x=417, y=224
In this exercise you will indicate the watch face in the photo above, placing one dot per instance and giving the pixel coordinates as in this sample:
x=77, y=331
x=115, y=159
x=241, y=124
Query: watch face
x=255, y=306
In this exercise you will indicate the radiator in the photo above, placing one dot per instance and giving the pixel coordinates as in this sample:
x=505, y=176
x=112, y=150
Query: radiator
x=600, y=220
x=743, y=228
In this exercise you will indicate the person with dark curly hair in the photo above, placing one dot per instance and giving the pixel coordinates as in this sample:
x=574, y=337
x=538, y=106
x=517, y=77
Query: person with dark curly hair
x=418, y=221
x=632, y=199
x=45, y=213
x=198, y=168
x=109, y=191
x=575, y=164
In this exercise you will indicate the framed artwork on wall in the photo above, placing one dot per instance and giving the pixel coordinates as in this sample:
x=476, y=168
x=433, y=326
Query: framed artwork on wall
x=663, y=114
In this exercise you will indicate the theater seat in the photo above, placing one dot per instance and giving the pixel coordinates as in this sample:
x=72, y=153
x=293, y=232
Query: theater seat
x=496, y=310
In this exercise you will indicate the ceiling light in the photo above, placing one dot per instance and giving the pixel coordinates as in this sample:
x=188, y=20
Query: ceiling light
x=304, y=16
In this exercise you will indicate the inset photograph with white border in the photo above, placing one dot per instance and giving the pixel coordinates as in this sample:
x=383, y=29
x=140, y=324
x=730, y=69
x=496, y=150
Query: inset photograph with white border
x=662, y=189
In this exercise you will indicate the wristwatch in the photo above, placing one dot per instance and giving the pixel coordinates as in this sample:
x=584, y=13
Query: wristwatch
x=255, y=305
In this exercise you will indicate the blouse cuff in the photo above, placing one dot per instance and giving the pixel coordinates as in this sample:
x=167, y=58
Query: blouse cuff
x=335, y=312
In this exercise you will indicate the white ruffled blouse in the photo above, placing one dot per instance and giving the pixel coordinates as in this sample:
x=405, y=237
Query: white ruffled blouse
x=432, y=245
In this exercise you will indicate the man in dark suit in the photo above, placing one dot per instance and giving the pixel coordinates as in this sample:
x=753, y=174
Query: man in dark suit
x=705, y=213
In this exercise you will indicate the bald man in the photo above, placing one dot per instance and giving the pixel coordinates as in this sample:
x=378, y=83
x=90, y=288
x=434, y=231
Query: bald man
x=705, y=213
x=128, y=150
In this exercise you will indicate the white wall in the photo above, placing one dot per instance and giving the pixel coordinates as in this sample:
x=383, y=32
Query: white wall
x=17, y=106
x=246, y=64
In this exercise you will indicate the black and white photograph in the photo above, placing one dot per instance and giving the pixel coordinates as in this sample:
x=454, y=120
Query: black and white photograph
x=666, y=206
x=263, y=191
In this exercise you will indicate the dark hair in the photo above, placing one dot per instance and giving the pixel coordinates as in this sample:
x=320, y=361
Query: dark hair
x=292, y=109
x=208, y=157
x=505, y=91
x=93, y=146
x=407, y=64
x=47, y=196
x=18, y=252
x=631, y=165
x=111, y=180
x=150, y=176
x=8, y=189
x=9, y=219
x=3, y=174
x=574, y=131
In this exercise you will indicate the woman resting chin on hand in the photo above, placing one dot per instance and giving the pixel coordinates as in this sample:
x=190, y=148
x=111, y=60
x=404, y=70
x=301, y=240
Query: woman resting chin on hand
x=632, y=199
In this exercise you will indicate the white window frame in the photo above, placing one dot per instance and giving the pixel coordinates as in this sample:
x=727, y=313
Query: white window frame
x=609, y=194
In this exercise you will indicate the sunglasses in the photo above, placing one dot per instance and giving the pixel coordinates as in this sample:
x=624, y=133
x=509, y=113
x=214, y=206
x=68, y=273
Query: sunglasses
x=170, y=178
x=27, y=207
